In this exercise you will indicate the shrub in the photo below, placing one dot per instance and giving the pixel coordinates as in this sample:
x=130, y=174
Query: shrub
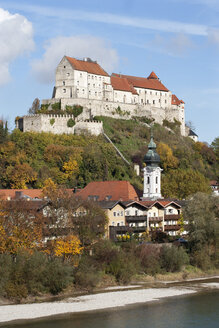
x=56, y=106
x=88, y=274
x=58, y=275
x=52, y=121
x=70, y=123
x=173, y=258
x=5, y=270
x=149, y=258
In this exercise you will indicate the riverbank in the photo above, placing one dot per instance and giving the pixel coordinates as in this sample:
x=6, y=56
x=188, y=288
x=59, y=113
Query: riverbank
x=92, y=302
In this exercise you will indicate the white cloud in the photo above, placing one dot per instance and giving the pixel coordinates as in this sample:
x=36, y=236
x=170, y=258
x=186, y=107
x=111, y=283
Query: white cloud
x=73, y=46
x=16, y=38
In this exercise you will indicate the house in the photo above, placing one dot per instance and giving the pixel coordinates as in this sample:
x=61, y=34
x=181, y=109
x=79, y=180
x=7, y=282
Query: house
x=214, y=187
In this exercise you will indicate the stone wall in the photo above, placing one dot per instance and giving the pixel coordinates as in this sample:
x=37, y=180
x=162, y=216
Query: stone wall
x=57, y=124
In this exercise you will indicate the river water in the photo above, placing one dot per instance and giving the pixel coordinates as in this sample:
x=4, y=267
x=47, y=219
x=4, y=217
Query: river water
x=199, y=310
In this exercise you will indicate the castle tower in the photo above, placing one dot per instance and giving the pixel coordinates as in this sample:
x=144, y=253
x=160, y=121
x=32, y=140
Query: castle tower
x=152, y=172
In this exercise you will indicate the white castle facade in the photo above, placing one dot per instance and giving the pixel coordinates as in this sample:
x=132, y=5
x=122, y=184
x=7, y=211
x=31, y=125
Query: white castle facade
x=86, y=83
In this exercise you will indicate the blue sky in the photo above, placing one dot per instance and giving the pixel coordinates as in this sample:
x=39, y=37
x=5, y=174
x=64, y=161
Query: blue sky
x=178, y=39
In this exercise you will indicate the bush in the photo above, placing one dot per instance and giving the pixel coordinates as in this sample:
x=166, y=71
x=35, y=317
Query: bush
x=58, y=275
x=70, y=123
x=5, y=270
x=52, y=121
x=173, y=258
x=149, y=258
x=88, y=274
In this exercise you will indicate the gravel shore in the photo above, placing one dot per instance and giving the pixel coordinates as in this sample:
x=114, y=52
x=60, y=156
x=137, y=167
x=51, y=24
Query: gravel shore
x=88, y=303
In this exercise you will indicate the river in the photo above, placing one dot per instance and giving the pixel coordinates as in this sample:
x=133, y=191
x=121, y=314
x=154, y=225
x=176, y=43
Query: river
x=200, y=310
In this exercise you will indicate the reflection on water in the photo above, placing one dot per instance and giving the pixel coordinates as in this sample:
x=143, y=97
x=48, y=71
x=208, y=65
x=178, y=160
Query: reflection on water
x=194, y=311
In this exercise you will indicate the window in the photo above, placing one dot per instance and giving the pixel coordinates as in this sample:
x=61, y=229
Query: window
x=121, y=213
x=156, y=180
x=156, y=190
x=118, y=213
x=147, y=101
x=165, y=101
x=114, y=213
x=159, y=100
x=154, y=102
x=118, y=224
x=127, y=213
x=88, y=76
x=77, y=82
x=94, y=85
x=64, y=90
x=63, y=82
x=113, y=223
x=150, y=92
x=92, y=77
x=156, y=93
x=83, y=91
x=67, y=74
x=154, y=214
x=148, y=180
x=100, y=78
x=80, y=74
x=145, y=92
x=64, y=66
x=95, y=93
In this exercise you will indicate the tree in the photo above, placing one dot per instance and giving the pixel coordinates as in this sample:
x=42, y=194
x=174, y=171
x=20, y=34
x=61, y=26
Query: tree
x=35, y=107
x=20, y=175
x=202, y=213
x=166, y=155
x=20, y=226
x=183, y=183
x=68, y=247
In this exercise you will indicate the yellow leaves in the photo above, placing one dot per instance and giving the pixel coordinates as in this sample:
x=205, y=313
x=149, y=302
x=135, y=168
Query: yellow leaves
x=167, y=157
x=19, y=175
x=2, y=240
x=71, y=167
x=68, y=247
x=49, y=188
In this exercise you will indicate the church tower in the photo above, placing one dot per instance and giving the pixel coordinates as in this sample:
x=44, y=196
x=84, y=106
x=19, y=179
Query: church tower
x=152, y=172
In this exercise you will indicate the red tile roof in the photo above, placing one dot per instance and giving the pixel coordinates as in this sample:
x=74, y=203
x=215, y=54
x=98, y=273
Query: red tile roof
x=122, y=84
x=143, y=82
x=176, y=101
x=87, y=66
x=153, y=76
x=11, y=193
x=118, y=190
x=7, y=194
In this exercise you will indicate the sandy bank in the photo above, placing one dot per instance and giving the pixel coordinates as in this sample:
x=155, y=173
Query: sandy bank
x=88, y=303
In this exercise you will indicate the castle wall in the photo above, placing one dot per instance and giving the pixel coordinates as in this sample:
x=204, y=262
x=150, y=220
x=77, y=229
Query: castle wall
x=57, y=124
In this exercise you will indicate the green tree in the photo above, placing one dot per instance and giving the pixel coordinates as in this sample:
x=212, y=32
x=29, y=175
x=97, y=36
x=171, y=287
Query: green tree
x=202, y=213
x=183, y=183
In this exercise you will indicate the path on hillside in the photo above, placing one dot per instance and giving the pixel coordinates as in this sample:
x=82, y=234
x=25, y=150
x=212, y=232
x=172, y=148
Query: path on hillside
x=117, y=150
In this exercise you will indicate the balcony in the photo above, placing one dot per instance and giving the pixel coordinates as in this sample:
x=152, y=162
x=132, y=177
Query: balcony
x=169, y=217
x=122, y=230
x=155, y=219
x=136, y=218
x=174, y=227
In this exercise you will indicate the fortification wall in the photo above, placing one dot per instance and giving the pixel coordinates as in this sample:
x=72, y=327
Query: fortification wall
x=57, y=124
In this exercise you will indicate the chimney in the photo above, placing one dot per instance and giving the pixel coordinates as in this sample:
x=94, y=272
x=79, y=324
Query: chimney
x=18, y=194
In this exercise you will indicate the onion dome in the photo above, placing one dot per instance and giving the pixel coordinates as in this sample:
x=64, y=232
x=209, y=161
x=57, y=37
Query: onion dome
x=153, y=76
x=152, y=158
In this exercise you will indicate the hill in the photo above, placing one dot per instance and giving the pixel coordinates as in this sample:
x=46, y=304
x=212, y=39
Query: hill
x=28, y=159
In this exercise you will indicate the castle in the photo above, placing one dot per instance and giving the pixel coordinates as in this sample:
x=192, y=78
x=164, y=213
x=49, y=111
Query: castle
x=86, y=83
